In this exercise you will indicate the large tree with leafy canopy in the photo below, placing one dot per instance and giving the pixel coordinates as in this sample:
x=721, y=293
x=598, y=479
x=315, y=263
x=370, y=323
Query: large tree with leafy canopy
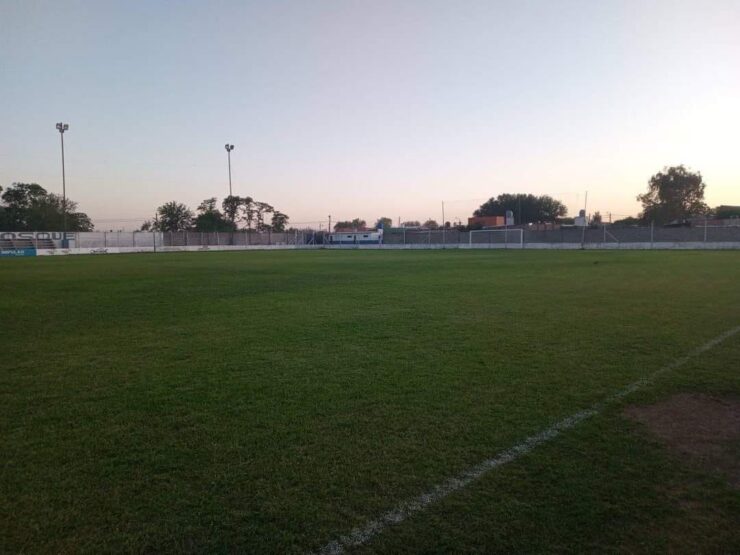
x=279, y=221
x=30, y=207
x=210, y=218
x=173, y=216
x=676, y=193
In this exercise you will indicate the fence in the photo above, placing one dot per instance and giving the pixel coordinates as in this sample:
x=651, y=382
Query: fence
x=604, y=237
x=601, y=236
x=166, y=239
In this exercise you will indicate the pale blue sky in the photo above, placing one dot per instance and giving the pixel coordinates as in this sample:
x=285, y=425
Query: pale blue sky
x=368, y=108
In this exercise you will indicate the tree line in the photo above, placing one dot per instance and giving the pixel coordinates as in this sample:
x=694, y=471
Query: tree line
x=235, y=211
x=674, y=194
x=358, y=224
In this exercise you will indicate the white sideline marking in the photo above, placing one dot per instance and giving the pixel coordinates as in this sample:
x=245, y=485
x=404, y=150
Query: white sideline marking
x=372, y=528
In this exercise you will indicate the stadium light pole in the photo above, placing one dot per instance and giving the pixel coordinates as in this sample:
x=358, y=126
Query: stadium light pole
x=62, y=127
x=229, y=148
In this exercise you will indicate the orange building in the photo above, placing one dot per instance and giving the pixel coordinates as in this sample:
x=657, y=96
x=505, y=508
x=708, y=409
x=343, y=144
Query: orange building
x=487, y=221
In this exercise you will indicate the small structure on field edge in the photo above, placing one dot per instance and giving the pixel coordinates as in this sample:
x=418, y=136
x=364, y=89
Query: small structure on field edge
x=356, y=237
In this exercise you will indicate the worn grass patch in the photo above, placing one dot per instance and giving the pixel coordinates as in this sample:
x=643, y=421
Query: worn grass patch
x=701, y=428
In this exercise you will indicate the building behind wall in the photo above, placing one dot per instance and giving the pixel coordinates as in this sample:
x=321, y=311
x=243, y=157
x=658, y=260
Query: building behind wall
x=486, y=221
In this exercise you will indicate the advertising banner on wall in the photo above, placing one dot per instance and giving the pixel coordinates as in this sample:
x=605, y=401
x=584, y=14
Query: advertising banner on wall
x=56, y=237
x=17, y=252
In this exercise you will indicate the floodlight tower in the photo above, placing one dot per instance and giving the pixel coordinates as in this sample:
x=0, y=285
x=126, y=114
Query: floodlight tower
x=62, y=127
x=229, y=148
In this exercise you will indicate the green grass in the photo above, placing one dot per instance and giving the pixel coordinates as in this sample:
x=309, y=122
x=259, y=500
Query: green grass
x=271, y=401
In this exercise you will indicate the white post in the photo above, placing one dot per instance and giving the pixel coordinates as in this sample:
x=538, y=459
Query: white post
x=585, y=215
x=705, y=228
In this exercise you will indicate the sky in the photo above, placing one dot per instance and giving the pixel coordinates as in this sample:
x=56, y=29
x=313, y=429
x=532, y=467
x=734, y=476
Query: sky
x=367, y=108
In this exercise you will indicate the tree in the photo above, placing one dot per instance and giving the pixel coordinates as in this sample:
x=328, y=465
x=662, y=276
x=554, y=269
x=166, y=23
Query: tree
x=675, y=193
x=384, y=223
x=19, y=200
x=173, y=216
x=230, y=206
x=430, y=224
x=210, y=218
x=527, y=208
x=261, y=209
x=356, y=224
x=628, y=221
x=47, y=214
x=724, y=211
x=29, y=207
x=249, y=212
x=596, y=218
x=411, y=223
x=550, y=209
x=279, y=221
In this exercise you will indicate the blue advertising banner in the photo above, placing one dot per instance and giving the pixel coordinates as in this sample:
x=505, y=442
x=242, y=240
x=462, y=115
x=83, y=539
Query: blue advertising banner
x=17, y=252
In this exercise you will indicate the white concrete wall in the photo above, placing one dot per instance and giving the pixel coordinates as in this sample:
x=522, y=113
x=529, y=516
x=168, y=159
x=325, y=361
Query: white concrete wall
x=528, y=246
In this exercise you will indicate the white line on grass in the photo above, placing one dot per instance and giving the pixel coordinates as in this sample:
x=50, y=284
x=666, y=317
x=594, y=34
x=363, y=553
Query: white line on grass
x=401, y=512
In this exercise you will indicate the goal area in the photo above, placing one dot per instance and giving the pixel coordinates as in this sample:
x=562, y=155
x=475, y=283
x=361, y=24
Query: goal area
x=513, y=238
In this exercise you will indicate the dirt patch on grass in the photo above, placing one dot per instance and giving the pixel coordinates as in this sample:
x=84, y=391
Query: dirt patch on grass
x=701, y=428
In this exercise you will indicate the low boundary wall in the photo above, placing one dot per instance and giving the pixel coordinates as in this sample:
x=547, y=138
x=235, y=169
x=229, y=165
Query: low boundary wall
x=461, y=246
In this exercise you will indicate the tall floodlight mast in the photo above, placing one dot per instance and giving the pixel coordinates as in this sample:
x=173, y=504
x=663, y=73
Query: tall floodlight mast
x=62, y=127
x=229, y=148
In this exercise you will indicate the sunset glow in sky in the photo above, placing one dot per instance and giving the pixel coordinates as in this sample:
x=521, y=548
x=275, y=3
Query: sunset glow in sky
x=368, y=108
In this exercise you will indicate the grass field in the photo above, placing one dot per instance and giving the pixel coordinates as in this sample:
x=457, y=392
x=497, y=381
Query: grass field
x=273, y=401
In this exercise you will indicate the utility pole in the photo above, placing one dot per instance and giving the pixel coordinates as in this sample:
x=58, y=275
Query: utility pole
x=519, y=199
